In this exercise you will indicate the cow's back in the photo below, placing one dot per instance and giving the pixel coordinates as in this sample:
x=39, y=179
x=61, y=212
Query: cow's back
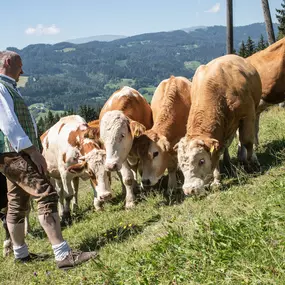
x=59, y=143
x=131, y=103
x=270, y=64
x=170, y=107
x=223, y=92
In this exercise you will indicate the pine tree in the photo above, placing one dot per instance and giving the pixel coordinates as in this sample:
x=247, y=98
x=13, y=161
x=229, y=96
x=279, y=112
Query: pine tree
x=41, y=126
x=250, y=47
x=49, y=122
x=281, y=19
x=242, y=50
x=88, y=113
x=262, y=44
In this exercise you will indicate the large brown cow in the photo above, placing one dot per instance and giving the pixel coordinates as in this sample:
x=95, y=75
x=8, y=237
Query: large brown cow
x=170, y=108
x=124, y=117
x=270, y=64
x=224, y=97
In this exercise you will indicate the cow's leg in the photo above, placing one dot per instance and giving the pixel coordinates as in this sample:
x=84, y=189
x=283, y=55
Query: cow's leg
x=59, y=190
x=129, y=182
x=75, y=185
x=68, y=196
x=98, y=205
x=7, y=245
x=261, y=107
x=246, y=137
x=216, y=184
x=27, y=218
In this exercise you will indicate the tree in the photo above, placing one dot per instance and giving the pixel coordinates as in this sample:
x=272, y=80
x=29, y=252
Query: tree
x=49, y=121
x=280, y=15
x=250, y=47
x=41, y=126
x=262, y=44
x=242, y=51
x=88, y=113
x=268, y=21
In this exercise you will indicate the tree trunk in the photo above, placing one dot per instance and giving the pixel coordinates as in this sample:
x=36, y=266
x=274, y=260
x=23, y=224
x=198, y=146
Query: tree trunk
x=230, y=33
x=268, y=22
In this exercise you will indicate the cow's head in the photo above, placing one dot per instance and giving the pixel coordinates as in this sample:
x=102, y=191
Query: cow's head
x=91, y=165
x=155, y=152
x=118, y=132
x=195, y=161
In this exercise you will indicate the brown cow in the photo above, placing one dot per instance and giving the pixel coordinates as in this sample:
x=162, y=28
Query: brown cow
x=170, y=108
x=124, y=117
x=270, y=64
x=225, y=95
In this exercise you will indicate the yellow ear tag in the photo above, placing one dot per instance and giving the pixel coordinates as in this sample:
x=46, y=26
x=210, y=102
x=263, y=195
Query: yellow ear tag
x=137, y=133
x=212, y=149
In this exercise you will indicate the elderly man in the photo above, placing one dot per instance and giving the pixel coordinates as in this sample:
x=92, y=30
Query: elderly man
x=25, y=167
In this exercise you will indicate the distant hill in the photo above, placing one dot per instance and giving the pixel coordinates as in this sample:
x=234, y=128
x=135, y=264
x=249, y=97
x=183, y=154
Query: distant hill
x=101, y=38
x=66, y=75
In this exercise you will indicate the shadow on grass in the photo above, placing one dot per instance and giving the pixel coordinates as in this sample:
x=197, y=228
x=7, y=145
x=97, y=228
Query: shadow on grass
x=116, y=234
x=273, y=154
x=171, y=196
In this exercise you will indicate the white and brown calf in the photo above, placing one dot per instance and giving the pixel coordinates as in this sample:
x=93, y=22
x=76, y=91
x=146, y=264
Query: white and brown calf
x=73, y=150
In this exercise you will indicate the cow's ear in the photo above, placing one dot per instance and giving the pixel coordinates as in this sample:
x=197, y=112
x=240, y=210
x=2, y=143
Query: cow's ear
x=92, y=133
x=137, y=129
x=77, y=168
x=163, y=143
x=212, y=145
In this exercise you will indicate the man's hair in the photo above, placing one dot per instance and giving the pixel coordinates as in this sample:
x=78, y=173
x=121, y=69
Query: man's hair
x=7, y=54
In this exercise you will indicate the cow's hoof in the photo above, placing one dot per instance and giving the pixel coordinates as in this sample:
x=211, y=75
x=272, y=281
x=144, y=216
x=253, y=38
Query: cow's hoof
x=66, y=219
x=7, y=248
x=75, y=208
x=98, y=205
x=130, y=205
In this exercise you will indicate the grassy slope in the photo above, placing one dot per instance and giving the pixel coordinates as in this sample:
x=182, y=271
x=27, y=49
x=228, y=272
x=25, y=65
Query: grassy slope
x=236, y=236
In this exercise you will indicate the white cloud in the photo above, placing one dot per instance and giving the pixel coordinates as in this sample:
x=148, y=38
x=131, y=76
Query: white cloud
x=42, y=30
x=215, y=9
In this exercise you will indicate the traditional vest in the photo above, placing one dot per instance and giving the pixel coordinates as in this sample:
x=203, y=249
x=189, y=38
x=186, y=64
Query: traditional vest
x=24, y=117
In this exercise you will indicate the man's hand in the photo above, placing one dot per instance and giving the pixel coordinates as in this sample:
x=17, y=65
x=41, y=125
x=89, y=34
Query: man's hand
x=37, y=158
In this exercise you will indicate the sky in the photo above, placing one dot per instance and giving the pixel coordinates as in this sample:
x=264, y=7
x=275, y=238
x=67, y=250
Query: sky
x=53, y=21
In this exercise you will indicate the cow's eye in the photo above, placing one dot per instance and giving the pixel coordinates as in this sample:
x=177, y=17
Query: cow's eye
x=122, y=135
x=201, y=161
x=155, y=154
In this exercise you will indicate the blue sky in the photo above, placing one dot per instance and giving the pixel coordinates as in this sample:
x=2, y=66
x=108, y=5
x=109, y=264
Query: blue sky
x=52, y=21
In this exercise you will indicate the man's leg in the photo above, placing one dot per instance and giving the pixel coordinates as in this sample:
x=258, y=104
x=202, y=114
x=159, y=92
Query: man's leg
x=20, y=170
x=17, y=206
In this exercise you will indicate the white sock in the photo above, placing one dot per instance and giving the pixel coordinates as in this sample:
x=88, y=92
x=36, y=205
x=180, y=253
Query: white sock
x=61, y=250
x=21, y=251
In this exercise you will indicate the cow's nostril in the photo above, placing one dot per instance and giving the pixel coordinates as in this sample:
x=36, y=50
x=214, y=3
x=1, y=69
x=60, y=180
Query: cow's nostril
x=146, y=182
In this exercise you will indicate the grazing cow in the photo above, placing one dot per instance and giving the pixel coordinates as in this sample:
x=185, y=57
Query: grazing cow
x=73, y=150
x=270, y=64
x=170, y=109
x=124, y=117
x=225, y=94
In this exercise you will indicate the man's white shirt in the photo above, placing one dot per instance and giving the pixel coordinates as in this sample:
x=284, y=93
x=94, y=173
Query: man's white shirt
x=9, y=123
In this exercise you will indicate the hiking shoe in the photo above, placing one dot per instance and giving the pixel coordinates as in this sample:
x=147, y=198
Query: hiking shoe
x=75, y=258
x=32, y=257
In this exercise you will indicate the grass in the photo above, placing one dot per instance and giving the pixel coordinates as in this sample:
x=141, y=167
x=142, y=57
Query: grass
x=192, y=64
x=39, y=110
x=234, y=236
x=22, y=81
x=120, y=83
